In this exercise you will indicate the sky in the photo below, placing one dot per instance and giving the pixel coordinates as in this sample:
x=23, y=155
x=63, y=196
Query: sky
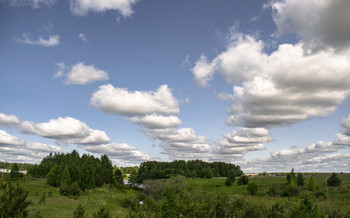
x=261, y=84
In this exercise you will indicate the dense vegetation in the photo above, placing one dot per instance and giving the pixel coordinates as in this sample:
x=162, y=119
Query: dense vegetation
x=72, y=173
x=190, y=169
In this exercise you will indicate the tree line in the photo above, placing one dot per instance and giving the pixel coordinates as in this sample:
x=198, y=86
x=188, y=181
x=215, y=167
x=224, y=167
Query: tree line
x=72, y=173
x=192, y=169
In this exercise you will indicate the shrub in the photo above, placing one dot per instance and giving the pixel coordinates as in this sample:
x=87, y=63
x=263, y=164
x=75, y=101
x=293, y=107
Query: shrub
x=228, y=182
x=320, y=194
x=306, y=208
x=300, y=180
x=252, y=188
x=312, y=184
x=102, y=212
x=334, y=180
x=79, y=212
x=276, y=211
x=290, y=189
x=14, y=202
x=272, y=191
x=243, y=180
x=43, y=198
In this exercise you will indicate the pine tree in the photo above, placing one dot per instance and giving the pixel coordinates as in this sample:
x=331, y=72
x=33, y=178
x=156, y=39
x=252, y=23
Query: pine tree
x=13, y=202
x=79, y=212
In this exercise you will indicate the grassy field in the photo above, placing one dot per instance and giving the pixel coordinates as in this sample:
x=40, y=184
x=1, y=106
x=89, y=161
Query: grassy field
x=61, y=206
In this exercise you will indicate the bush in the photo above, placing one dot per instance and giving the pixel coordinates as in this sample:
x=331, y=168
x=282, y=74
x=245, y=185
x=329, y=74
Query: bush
x=312, y=184
x=14, y=202
x=300, y=180
x=252, y=188
x=228, y=182
x=334, y=180
x=272, y=191
x=102, y=212
x=243, y=180
x=79, y=212
x=276, y=211
x=306, y=208
x=290, y=189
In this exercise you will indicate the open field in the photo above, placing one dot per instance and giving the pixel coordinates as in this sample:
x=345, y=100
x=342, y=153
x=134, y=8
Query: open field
x=62, y=206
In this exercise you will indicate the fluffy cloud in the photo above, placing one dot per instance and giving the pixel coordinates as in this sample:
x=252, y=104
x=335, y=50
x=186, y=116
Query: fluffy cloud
x=284, y=87
x=50, y=41
x=9, y=140
x=65, y=130
x=155, y=121
x=27, y=153
x=346, y=125
x=82, y=74
x=134, y=103
x=83, y=7
x=319, y=23
x=181, y=143
x=8, y=119
x=234, y=145
x=122, y=152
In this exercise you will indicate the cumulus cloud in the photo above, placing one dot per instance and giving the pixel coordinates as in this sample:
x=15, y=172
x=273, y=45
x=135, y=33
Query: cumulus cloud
x=346, y=125
x=65, y=130
x=83, y=37
x=122, y=152
x=319, y=23
x=134, y=103
x=8, y=119
x=284, y=87
x=7, y=140
x=236, y=144
x=82, y=74
x=154, y=121
x=28, y=152
x=181, y=143
x=50, y=41
x=83, y=7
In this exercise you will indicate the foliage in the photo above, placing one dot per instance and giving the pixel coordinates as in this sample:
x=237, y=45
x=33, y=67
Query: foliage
x=169, y=208
x=243, y=180
x=43, y=199
x=252, y=188
x=272, y=191
x=15, y=174
x=13, y=202
x=193, y=168
x=300, y=179
x=312, y=184
x=102, y=211
x=333, y=180
x=291, y=189
x=291, y=177
x=276, y=211
x=306, y=208
x=79, y=212
x=228, y=181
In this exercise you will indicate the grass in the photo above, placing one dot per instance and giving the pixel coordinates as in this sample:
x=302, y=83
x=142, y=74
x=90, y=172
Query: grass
x=62, y=206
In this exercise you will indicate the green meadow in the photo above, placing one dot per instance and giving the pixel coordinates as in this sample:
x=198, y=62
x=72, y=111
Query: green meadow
x=332, y=200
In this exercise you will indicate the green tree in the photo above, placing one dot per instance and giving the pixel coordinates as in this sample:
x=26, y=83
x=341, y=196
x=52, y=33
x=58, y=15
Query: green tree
x=53, y=177
x=291, y=177
x=306, y=208
x=102, y=211
x=13, y=202
x=15, y=174
x=228, y=181
x=252, y=188
x=169, y=209
x=243, y=180
x=312, y=184
x=300, y=179
x=79, y=212
x=333, y=180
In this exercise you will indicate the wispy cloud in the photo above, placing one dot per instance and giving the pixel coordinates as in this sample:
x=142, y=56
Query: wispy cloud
x=49, y=41
x=83, y=37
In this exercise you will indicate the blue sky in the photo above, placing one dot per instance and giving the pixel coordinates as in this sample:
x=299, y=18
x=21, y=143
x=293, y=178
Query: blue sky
x=262, y=84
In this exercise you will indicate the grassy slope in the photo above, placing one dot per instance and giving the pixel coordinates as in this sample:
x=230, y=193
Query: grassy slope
x=61, y=206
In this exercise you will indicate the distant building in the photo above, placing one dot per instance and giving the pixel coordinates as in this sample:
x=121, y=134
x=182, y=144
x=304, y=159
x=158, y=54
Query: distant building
x=252, y=174
x=9, y=171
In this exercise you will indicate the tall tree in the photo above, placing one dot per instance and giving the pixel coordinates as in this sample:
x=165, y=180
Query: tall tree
x=13, y=202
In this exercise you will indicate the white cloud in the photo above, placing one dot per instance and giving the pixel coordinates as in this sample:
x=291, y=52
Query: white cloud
x=346, y=125
x=134, y=103
x=284, y=87
x=203, y=71
x=32, y=3
x=83, y=7
x=8, y=119
x=236, y=144
x=319, y=23
x=155, y=121
x=61, y=67
x=181, y=143
x=9, y=140
x=122, y=152
x=66, y=130
x=82, y=74
x=83, y=37
x=50, y=41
